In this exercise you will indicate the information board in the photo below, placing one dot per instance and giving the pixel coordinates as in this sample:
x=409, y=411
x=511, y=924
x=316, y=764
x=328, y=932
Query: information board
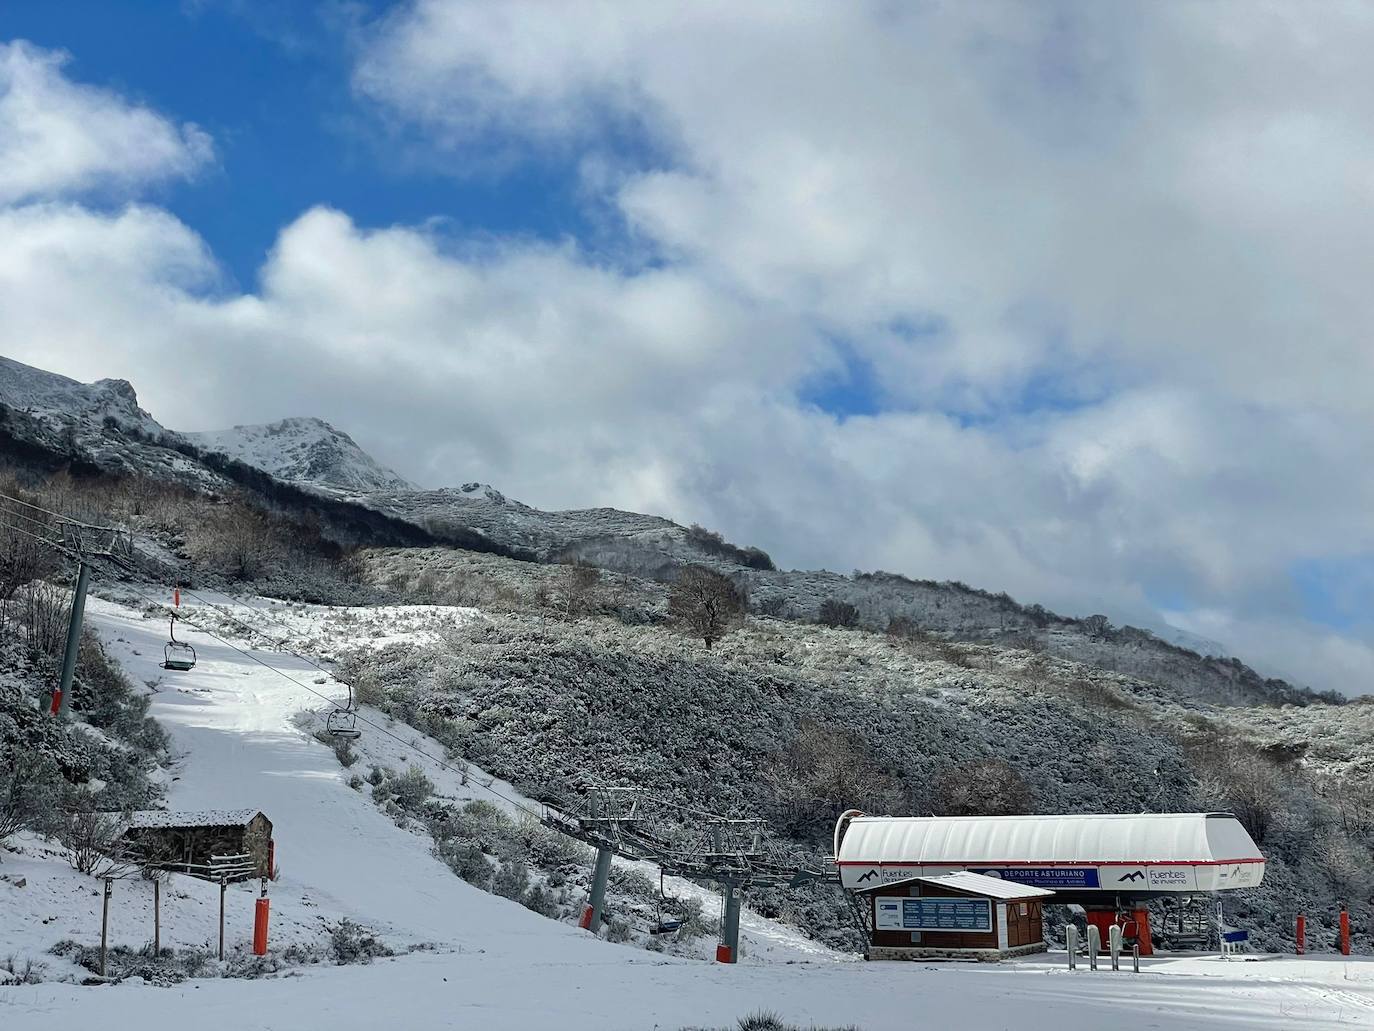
x=896, y=913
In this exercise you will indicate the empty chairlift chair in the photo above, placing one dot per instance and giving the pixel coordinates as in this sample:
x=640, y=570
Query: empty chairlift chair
x=343, y=723
x=177, y=655
x=661, y=925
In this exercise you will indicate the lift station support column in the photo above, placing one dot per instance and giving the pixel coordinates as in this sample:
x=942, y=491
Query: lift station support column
x=728, y=949
x=591, y=916
x=61, y=699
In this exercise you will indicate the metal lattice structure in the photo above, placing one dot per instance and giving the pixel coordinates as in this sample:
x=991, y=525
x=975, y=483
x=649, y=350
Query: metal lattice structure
x=731, y=852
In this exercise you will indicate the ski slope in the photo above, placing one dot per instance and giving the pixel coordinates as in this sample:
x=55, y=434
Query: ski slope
x=494, y=964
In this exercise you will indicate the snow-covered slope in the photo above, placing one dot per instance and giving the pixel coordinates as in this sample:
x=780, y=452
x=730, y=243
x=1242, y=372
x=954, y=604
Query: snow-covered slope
x=307, y=451
x=496, y=965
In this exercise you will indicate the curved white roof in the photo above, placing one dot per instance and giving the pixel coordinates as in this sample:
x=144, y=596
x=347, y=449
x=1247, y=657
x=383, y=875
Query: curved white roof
x=1111, y=845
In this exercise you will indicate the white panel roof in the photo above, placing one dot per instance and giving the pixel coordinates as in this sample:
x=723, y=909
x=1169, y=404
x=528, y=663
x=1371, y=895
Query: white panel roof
x=1082, y=839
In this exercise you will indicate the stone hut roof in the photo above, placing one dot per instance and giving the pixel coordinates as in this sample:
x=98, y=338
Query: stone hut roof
x=162, y=818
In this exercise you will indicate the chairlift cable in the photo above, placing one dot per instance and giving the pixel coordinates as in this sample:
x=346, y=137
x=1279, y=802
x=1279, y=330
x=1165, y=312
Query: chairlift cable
x=362, y=719
x=58, y=515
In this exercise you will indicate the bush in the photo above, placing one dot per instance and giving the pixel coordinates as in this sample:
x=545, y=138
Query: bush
x=412, y=789
x=351, y=943
x=467, y=860
x=512, y=880
x=836, y=613
x=542, y=901
x=29, y=790
x=987, y=787
x=341, y=746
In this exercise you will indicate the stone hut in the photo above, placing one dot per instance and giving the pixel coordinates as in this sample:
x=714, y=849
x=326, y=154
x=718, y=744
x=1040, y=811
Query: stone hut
x=214, y=845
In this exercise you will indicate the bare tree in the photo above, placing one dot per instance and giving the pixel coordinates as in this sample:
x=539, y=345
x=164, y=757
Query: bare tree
x=705, y=603
x=827, y=769
x=22, y=559
x=577, y=585
x=93, y=840
x=986, y=787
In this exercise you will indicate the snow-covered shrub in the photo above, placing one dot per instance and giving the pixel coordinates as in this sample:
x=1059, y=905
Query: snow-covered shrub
x=353, y=943
x=763, y=1020
x=512, y=880
x=541, y=900
x=15, y=973
x=341, y=746
x=411, y=789
x=29, y=790
x=92, y=839
x=465, y=858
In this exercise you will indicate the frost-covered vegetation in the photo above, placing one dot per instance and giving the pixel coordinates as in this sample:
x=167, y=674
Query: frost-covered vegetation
x=517, y=857
x=68, y=779
x=795, y=723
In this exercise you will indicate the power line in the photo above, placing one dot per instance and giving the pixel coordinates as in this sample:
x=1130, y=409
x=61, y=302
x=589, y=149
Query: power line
x=55, y=545
x=57, y=515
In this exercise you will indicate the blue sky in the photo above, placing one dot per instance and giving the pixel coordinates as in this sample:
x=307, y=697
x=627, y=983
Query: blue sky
x=271, y=84
x=1000, y=292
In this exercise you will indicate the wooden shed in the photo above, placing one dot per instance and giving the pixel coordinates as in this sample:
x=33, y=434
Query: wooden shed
x=954, y=916
x=214, y=845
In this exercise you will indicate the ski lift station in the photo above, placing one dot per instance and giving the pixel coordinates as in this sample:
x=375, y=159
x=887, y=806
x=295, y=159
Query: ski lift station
x=1111, y=865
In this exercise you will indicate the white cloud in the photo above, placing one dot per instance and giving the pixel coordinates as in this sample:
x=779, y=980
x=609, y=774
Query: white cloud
x=59, y=138
x=1101, y=401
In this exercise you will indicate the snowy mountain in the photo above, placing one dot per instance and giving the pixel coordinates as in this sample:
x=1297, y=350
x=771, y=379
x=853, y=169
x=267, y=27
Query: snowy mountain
x=306, y=451
x=309, y=468
x=60, y=403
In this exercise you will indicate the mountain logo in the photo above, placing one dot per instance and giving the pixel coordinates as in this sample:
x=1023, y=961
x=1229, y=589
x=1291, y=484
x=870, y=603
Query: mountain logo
x=1134, y=875
x=868, y=876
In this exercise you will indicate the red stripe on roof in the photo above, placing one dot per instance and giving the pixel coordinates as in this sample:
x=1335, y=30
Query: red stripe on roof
x=1026, y=862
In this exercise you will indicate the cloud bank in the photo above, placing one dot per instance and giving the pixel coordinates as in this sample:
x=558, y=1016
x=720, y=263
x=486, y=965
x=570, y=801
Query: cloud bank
x=1058, y=299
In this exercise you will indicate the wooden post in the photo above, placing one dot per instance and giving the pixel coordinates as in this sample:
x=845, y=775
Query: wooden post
x=221, y=918
x=105, y=923
x=157, y=916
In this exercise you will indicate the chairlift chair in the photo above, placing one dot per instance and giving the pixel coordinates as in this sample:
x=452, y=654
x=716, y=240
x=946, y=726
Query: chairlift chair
x=177, y=655
x=662, y=926
x=343, y=723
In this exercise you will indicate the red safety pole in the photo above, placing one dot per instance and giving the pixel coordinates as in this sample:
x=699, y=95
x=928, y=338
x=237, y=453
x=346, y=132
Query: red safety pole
x=260, y=915
x=1345, y=933
x=1302, y=934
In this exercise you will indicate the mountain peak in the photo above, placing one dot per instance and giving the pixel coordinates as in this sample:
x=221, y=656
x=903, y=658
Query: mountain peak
x=58, y=401
x=303, y=449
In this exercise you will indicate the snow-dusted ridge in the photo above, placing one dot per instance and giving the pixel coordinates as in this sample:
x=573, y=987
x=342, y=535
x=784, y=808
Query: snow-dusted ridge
x=303, y=450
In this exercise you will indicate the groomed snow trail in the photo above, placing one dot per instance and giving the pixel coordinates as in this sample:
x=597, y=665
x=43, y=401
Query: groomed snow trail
x=502, y=967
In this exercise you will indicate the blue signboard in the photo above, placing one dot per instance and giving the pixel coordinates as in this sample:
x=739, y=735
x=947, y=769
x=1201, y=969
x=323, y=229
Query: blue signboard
x=934, y=914
x=1045, y=876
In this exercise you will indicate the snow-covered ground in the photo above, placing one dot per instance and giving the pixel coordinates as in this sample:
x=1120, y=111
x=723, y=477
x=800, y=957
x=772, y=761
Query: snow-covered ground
x=495, y=964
